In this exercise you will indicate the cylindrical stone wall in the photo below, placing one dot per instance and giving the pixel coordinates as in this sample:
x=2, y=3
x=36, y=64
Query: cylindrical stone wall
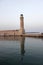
x=21, y=24
x=21, y=21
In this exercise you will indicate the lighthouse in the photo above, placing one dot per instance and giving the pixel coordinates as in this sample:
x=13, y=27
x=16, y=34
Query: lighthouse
x=22, y=31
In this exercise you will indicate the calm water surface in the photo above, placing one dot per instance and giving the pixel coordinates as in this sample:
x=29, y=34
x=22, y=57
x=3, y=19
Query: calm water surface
x=21, y=51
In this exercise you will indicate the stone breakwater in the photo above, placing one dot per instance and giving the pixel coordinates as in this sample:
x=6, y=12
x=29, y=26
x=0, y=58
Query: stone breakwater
x=33, y=35
x=12, y=33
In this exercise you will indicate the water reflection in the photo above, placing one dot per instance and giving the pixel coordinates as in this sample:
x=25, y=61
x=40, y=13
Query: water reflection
x=20, y=39
x=12, y=51
x=12, y=38
x=22, y=46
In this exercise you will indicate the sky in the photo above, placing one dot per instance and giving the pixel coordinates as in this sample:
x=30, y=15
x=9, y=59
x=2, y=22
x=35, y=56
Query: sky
x=32, y=11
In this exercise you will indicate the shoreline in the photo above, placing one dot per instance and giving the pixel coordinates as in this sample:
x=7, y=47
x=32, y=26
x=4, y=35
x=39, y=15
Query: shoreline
x=24, y=35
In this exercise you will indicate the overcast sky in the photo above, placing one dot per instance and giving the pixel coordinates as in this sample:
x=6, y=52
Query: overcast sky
x=32, y=10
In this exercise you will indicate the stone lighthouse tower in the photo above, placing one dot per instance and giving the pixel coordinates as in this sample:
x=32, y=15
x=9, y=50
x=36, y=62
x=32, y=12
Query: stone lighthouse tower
x=22, y=31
